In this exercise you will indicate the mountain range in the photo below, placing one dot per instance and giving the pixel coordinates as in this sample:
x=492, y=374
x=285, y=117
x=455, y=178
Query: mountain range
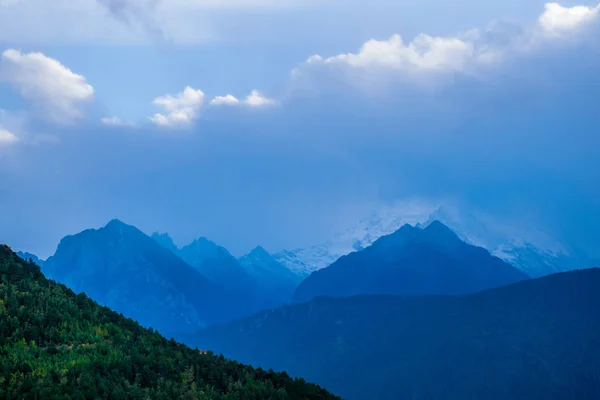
x=535, y=339
x=266, y=282
x=169, y=288
x=411, y=261
x=532, y=250
x=154, y=282
x=417, y=313
x=122, y=268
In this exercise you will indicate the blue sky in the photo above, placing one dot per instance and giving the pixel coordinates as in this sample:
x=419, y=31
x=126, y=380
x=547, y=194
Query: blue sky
x=117, y=108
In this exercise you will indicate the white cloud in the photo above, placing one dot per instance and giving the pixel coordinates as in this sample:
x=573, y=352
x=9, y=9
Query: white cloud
x=256, y=99
x=7, y=137
x=225, y=100
x=114, y=121
x=466, y=53
x=180, y=110
x=51, y=86
x=559, y=19
x=424, y=52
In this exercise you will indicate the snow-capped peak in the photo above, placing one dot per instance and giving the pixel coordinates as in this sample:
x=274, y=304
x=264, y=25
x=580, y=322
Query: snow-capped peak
x=531, y=250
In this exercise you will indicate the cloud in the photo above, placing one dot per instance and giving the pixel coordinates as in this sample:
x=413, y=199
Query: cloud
x=180, y=110
x=224, y=100
x=132, y=22
x=559, y=19
x=521, y=142
x=114, y=121
x=123, y=8
x=7, y=137
x=424, y=52
x=51, y=86
x=12, y=128
x=135, y=11
x=422, y=61
x=254, y=99
x=426, y=57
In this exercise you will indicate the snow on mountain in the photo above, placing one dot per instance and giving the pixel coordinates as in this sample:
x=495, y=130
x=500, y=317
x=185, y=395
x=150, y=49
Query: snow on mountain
x=368, y=229
x=532, y=250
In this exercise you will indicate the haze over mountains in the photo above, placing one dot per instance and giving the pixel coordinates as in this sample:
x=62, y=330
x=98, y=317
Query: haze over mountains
x=530, y=249
x=154, y=282
x=261, y=280
x=122, y=268
x=181, y=289
x=383, y=322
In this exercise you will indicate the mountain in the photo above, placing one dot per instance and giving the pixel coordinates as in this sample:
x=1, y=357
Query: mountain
x=535, y=339
x=303, y=261
x=122, y=268
x=530, y=249
x=165, y=241
x=30, y=256
x=411, y=261
x=271, y=276
x=56, y=344
x=256, y=277
x=216, y=263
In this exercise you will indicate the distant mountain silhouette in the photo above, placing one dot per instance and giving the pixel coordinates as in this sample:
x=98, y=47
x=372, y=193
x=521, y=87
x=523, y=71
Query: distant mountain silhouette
x=411, y=261
x=216, y=263
x=29, y=256
x=264, y=282
x=124, y=269
x=536, y=339
x=273, y=279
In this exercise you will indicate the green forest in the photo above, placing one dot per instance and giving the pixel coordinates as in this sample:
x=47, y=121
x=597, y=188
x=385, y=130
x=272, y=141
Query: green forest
x=55, y=344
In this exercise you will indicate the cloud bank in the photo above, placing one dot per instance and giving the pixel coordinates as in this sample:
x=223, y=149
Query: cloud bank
x=510, y=128
x=427, y=58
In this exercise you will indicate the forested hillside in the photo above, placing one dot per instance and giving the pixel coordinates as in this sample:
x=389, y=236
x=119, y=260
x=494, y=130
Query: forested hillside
x=536, y=339
x=55, y=344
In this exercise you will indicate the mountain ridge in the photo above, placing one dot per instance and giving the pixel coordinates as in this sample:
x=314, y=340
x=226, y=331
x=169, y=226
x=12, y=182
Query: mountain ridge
x=121, y=267
x=533, y=339
x=411, y=261
x=531, y=250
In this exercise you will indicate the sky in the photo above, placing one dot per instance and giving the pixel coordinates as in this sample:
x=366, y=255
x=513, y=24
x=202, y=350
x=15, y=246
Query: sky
x=278, y=123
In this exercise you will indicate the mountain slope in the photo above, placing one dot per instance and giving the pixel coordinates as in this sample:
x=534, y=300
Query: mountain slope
x=122, y=268
x=411, y=261
x=536, y=339
x=56, y=344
